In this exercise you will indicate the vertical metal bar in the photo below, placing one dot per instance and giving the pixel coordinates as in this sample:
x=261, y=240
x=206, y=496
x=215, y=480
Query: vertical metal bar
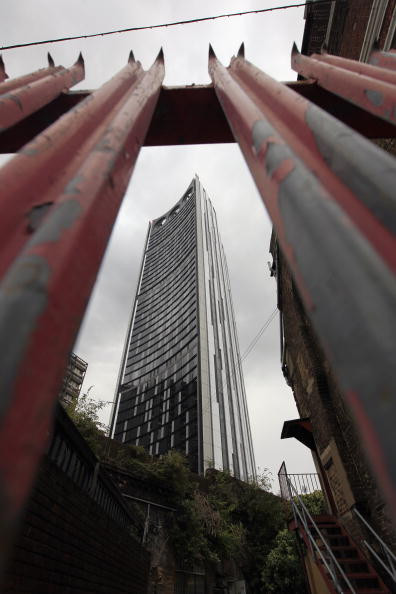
x=349, y=167
x=45, y=291
x=146, y=524
x=16, y=83
x=331, y=234
x=369, y=93
x=370, y=70
x=28, y=177
x=383, y=59
x=27, y=99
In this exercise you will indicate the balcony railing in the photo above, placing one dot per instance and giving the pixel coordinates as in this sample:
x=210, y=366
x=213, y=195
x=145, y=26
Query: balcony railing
x=302, y=484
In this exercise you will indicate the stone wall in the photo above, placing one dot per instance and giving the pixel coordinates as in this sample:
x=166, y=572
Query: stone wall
x=68, y=545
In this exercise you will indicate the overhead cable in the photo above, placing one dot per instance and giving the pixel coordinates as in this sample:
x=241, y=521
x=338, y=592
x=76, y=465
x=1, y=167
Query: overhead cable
x=259, y=335
x=163, y=25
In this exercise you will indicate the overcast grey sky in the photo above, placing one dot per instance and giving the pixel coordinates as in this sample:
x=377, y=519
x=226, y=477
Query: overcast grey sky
x=162, y=175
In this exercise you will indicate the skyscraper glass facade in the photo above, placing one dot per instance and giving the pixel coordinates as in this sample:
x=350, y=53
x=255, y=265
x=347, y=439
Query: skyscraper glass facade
x=181, y=384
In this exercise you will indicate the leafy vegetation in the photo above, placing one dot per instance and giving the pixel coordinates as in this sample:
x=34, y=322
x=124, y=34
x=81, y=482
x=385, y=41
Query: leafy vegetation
x=219, y=517
x=282, y=571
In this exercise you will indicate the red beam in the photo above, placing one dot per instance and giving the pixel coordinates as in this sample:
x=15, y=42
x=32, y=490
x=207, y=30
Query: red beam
x=353, y=83
x=192, y=115
x=330, y=195
x=77, y=174
x=21, y=97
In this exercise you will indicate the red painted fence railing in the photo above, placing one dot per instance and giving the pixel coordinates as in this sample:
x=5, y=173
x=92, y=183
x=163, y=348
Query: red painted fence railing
x=329, y=192
x=60, y=198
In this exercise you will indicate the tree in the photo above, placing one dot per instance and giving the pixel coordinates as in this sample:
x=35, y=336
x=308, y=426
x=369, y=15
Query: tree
x=84, y=412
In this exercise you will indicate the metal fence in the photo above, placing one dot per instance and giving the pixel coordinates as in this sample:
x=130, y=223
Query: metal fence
x=328, y=190
x=70, y=453
x=303, y=483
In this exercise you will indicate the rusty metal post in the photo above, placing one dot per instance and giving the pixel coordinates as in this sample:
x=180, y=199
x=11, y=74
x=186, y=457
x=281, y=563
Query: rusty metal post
x=29, y=175
x=61, y=242
x=336, y=232
x=383, y=59
x=25, y=95
x=370, y=93
x=26, y=79
x=370, y=70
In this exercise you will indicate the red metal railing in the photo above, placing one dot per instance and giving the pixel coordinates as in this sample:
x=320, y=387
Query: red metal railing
x=61, y=195
x=328, y=190
x=331, y=196
x=22, y=96
x=366, y=85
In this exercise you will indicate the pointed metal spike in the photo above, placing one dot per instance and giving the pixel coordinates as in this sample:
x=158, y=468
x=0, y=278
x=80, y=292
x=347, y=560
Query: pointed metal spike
x=211, y=52
x=131, y=57
x=160, y=57
x=241, y=51
x=295, y=49
x=51, y=62
x=2, y=68
x=324, y=48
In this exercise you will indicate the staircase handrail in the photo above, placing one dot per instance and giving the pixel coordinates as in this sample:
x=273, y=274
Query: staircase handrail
x=390, y=557
x=334, y=561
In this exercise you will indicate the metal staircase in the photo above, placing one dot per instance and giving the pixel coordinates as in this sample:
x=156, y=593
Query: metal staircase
x=350, y=570
x=341, y=562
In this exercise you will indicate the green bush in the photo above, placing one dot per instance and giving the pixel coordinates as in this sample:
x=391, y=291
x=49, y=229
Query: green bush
x=282, y=573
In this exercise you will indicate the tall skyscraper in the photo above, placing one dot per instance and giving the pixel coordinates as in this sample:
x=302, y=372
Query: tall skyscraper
x=180, y=384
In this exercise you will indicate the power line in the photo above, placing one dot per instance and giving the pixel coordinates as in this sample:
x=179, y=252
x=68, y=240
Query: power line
x=163, y=25
x=259, y=335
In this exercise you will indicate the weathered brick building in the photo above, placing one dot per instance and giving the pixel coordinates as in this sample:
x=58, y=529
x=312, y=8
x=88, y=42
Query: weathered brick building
x=336, y=446
x=351, y=29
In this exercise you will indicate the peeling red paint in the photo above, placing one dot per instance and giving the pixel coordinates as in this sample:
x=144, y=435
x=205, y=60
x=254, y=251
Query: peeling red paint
x=21, y=97
x=351, y=81
x=66, y=248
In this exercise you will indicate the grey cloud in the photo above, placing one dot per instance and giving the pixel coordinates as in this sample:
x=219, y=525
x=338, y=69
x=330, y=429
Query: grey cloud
x=162, y=174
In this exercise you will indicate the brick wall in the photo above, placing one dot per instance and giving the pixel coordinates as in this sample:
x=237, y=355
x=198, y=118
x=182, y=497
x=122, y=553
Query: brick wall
x=355, y=27
x=68, y=545
x=319, y=397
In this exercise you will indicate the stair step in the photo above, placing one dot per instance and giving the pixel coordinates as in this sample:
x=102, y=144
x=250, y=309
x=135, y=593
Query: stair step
x=339, y=541
x=332, y=530
x=354, y=566
x=345, y=553
x=365, y=582
x=369, y=591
